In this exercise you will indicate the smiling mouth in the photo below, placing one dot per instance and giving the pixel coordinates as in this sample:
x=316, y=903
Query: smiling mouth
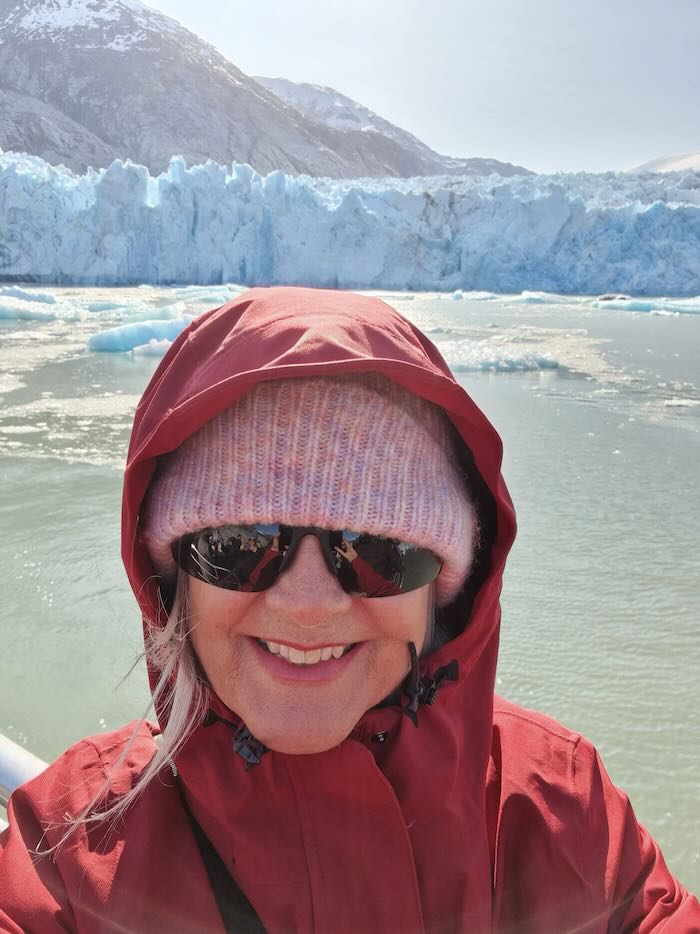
x=301, y=657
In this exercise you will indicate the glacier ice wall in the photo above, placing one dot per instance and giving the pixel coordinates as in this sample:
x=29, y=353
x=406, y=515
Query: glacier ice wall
x=209, y=224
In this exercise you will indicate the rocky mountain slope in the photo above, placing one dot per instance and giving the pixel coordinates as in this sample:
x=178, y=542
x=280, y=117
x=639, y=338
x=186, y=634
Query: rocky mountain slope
x=332, y=109
x=86, y=81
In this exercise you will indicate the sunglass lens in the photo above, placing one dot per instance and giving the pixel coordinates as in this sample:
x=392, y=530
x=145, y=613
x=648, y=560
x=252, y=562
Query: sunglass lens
x=374, y=566
x=233, y=557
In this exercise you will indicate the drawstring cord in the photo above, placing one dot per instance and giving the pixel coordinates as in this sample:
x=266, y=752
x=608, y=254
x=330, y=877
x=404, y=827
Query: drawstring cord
x=424, y=691
x=413, y=687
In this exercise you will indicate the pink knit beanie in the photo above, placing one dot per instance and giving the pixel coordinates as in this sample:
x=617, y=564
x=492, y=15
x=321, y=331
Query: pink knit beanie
x=353, y=452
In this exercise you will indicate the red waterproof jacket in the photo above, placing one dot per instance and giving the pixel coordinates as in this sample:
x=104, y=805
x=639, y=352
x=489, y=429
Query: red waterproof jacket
x=483, y=817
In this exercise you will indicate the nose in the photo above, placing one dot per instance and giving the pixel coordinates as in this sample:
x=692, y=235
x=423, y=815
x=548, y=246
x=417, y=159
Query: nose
x=306, y=591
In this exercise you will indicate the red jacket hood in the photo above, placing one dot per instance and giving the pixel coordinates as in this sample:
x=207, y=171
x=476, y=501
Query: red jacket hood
x=288, y=333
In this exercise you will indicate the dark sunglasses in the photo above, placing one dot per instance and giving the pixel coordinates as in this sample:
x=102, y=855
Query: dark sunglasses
x=251, y=558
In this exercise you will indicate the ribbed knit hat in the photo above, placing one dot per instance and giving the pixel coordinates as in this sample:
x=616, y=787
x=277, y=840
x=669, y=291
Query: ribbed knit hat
x=354, y=452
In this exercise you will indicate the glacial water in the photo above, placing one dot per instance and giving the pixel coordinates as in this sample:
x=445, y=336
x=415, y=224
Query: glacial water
x=599, y=409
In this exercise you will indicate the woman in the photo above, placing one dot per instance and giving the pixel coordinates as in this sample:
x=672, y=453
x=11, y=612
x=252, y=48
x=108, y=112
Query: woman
x=315, y=527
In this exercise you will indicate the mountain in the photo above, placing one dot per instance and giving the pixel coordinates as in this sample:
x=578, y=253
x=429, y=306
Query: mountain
x=135, y=84
x=332, y=109
x=86, y=81
x=690, y=160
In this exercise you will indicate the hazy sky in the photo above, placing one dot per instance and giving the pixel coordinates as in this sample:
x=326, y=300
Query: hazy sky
x=549, y=84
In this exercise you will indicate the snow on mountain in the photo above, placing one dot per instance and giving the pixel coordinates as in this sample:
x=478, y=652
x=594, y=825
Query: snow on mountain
x=586, y=234
x=330, y=107
x=67, y=20
x=84, y=24
x=689, y=161
x=335, y=110
x=87, y=81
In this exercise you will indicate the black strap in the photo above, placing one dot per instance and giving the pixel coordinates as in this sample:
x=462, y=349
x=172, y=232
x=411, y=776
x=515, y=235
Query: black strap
x=237, y=913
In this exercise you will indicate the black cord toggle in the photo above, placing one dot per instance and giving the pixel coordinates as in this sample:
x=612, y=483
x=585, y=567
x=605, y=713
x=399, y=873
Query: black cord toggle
x=250, y=749
x=419, y=691
x=413, y=688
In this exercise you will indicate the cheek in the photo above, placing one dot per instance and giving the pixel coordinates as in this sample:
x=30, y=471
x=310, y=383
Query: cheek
x=213, y=604
x=403, y=619
x=214, y=615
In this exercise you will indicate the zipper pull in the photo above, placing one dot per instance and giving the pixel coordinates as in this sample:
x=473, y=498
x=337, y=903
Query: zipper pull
x=448, y=672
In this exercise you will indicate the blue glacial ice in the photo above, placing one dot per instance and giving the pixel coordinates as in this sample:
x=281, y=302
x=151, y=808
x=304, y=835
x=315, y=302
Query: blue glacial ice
x=18, y=310
x=14, y=291
x=137, y=334
x=154, y=348
x=209, y=224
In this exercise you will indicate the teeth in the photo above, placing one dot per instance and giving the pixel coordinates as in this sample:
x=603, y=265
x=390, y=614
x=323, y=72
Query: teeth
x=299, y=657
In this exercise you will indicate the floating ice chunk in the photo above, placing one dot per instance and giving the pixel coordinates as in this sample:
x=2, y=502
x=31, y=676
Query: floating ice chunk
x=127, y=336
x=626, y=304
x=519, y=363
x=534, y=298
x=458, y=295
x=211, y=295
x=481, y=356
x=14, y=291
x=678, y=403
x=154, y=348
x=20, y=310
x=654, y=306
x=480, y=296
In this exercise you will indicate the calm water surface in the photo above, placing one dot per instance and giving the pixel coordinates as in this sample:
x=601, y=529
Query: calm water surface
x=600, y=414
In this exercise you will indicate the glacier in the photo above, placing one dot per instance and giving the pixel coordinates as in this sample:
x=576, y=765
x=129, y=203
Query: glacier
x=209, y=224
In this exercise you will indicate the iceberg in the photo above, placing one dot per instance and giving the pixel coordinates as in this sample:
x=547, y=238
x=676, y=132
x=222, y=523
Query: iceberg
x=210, y=224
x=16, y=292
x=154, y=348
x=19, y=310
x=139, y=334
x=479, y=356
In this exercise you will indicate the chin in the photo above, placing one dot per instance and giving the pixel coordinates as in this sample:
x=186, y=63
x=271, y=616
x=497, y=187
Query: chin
x=299, y=739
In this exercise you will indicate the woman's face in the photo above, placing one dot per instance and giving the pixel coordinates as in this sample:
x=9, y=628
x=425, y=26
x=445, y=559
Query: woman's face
x=241, y=640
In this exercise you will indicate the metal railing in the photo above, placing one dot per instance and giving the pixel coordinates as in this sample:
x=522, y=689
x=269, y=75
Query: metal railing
x=17, y=765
